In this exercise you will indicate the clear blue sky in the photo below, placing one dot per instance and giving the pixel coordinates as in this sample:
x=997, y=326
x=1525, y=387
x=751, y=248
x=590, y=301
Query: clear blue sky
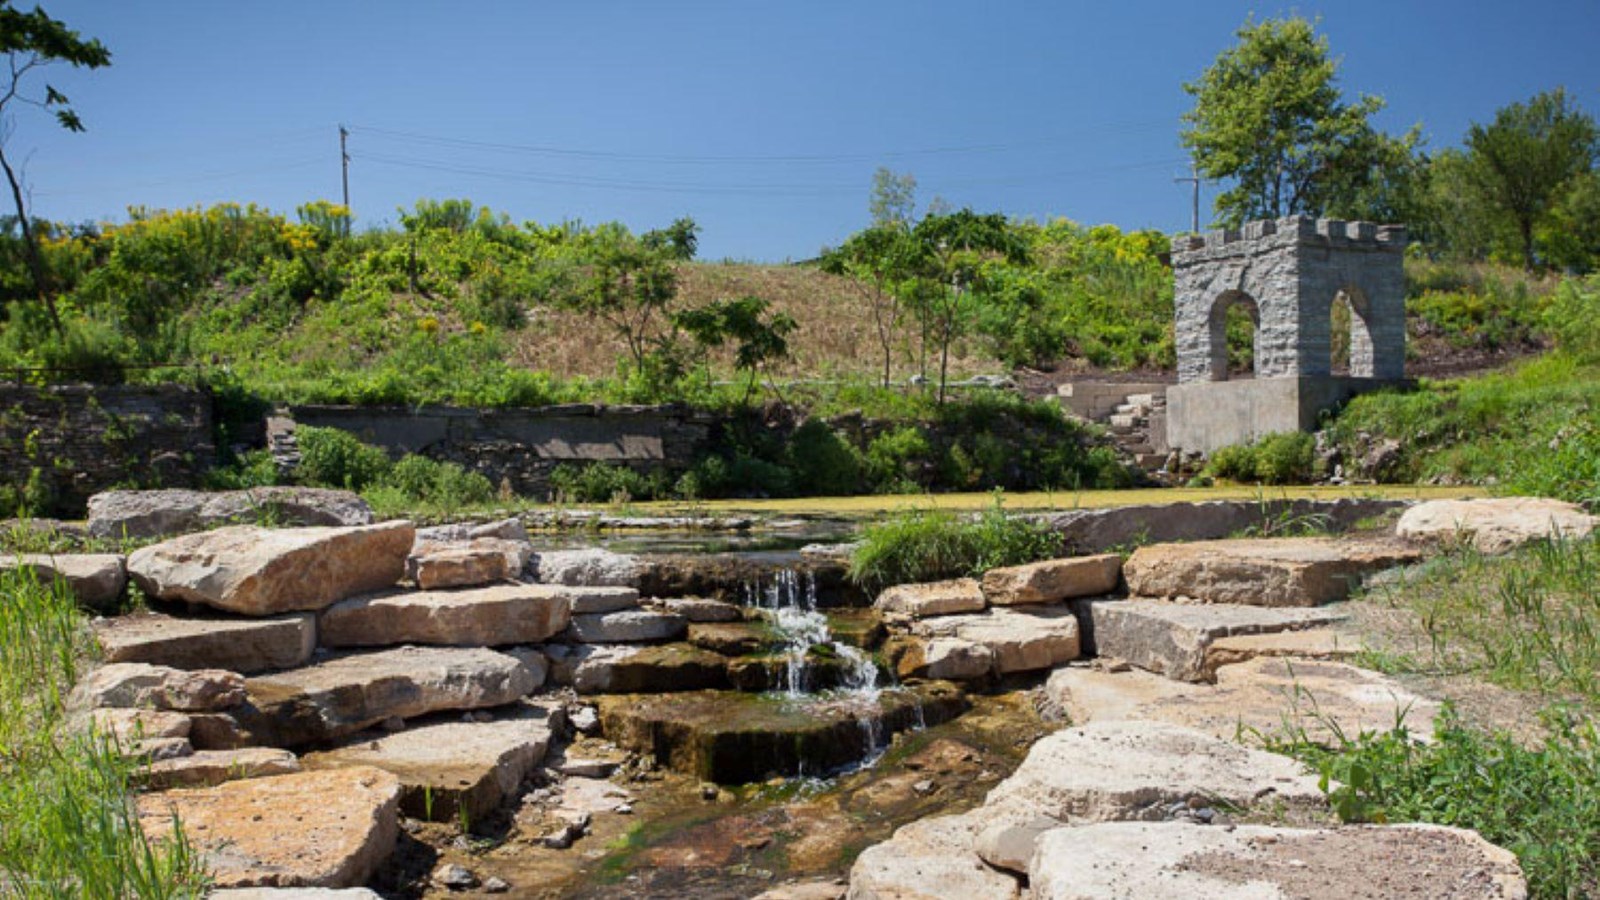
x=762, y=121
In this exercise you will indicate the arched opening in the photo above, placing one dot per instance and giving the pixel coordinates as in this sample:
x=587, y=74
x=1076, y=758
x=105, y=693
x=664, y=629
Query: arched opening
x=1350, y=336
x=1234, y=321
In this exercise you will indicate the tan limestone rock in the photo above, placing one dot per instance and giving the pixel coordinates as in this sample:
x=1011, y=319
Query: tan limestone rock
x=1495, y=525
x=266, y=571
x=1173, y=639
x=940, y=598
x=311, y=829
x=930, y=859
x=1267, y=572
x=239, y=645
x=448, y=564
x=496, y=615
x=1020, y=640
x=207, y=768
x=159, y=687
x=1053, y=580
x=96, y=579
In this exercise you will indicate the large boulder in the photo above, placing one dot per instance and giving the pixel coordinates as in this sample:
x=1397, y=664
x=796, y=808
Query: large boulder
x=947, y=658
x=312, y=829
x=649, y=670
x=504, y=529
x=240, y=645
x=1174, y=639
x=1497, y=525
x=939, y=598
x=451, y=769
x=1181, y=861
x=257, y=571
x=931, y=859
x=1019, y=640
x=628, y=626
x=447, y=564
x=474, y=617
x=344, y=695
x=96, y=579
x=207, y=768
x=590, y=567
x=1053, y=580
x=140, y=685
x=146, y=514
x=1270, y=572
x=1265, y=695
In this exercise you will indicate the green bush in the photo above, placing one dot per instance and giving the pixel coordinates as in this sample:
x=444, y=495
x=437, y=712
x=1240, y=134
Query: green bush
x=1574, y=317
x=897, y=460
x=333, y=458
x=1286, y=458
x=823, y=462
x=443, y=484
x=605, y=483
x=930, y=545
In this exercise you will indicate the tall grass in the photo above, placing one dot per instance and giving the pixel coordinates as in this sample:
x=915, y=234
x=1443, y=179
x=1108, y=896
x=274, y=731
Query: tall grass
x=67, y=824
x=928, y=545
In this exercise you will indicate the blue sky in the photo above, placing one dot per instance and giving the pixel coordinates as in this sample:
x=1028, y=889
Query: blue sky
x=762, y=121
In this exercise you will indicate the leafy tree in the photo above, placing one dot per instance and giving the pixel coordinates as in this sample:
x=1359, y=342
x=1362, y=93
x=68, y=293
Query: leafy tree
x=1269, y=115
x=877, y=261
x=894, y=199
x=950, y=275
x=759, y=340
x=33, y=40
x=1521, y=166
x=630, y=282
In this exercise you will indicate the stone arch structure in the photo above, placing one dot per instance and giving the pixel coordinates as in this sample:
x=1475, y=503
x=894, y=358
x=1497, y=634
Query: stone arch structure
x=1292, y=269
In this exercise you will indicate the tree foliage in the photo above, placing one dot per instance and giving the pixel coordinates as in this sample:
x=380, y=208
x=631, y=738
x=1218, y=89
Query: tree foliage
x=1269, y=116
x=30, y=41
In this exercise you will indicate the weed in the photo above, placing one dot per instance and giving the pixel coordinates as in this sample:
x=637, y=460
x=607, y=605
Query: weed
x=928, y=545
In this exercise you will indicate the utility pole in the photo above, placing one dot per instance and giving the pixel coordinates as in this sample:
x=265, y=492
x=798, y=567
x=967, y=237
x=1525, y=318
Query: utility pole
x=344, y=165
x=1194, y=179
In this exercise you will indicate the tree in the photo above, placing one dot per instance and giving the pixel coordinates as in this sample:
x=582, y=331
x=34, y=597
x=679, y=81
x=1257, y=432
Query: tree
x=877, y=261
x=1269, y=116
x=759, y=339
x=952, y=253
x=630, y=281
x=894, y=199
x=1524, y=163
x=33, y=40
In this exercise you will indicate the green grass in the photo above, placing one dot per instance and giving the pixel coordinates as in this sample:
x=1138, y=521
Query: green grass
x=1540, y=802
x=1527, y=621
x=929, y=545
x=69, y=825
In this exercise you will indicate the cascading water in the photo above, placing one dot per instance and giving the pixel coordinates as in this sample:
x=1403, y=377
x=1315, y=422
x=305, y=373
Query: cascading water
x=791, y=601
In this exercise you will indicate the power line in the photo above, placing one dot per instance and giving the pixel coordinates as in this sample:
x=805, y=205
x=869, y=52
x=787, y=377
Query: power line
x=188, y=179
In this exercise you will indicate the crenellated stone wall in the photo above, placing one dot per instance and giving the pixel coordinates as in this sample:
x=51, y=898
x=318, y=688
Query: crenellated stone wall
x=61, y=443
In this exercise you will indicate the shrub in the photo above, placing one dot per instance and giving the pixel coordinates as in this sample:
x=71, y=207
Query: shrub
x=896, y=460
x=825, y=463
x=1574, y=317
x=929, y=545
x=1286, y=458
x=605, y=483
x=444, y=484
x=333, y=458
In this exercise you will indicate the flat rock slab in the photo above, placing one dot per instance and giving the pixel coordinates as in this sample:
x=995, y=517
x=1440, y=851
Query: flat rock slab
x=628, y=626
x=939, y=598
x=590, y=567
x=504, y=529
x=588, y=599
x=140, y=685
x=491, y=616
x=1101, y=530
x=1496, y=525
x=448, y=768
x=931, y=859
x=701, y=610
x=96, y=579
x=311, y=829
x=126, y=726
x=732, y=638
x=241, y=645
x=1172, y=639
x=1134, y=771
x=1053, y=580
x=347, y=694
x=1263, y=695
x=294, y=894
x=651, y=670
x=438, y=564
x=1019, y=640
x=266, y=571
x=1270, y=572
x=947, y=658
x=145, y=514
x=735, y=738
x=207, y=768
x=1312, y=643
x=1180, y=861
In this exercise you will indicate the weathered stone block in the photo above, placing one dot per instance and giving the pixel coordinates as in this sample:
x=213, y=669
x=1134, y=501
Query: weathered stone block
x=1053, y=580
x=241, y=645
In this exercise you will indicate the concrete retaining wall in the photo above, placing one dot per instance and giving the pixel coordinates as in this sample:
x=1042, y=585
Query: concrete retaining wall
x=1208, y=415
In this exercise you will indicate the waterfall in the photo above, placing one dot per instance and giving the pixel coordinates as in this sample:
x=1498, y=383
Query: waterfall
x=791, y=598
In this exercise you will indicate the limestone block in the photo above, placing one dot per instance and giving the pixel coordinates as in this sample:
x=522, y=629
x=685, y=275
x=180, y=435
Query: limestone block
x=96, y=579
x=311, y=829
x=1053, y=580
x=1270, y=572
x=699, y=609
x=591, y=567
x=140, y=685
x=940, y=598
x=650, y=670
x=207, y=768
x=1020, y=640
x=629, y=626
x=930, y=859
x=146, y=514
x=1181, y=861
x=346, y=694
x=1172, y=638
x=266, y=571
x=1495, y=525
x=240, y=645
x=501, y=614
x=587, y=600
x=438, y=564
x=951, y=659
x=128, y=725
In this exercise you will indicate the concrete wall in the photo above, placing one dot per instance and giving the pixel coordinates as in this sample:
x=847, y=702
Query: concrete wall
x=1206, y=416
x=77, y=440
x=523, y=446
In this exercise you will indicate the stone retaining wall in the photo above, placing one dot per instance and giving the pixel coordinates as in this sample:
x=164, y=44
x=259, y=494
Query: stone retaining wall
x=522, y=447
x=61, y=443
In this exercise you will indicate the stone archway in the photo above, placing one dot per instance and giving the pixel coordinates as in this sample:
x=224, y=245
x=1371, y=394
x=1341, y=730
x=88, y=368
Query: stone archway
x=1351, y=332
x=1217, y=327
